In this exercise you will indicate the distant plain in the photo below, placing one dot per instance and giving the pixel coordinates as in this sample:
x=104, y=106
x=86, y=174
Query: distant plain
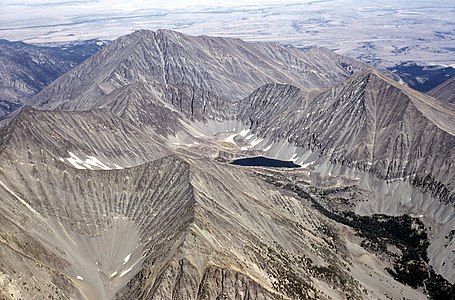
x=381, y=33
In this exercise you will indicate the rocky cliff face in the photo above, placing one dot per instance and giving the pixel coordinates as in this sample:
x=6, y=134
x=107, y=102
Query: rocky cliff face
x=115, y=185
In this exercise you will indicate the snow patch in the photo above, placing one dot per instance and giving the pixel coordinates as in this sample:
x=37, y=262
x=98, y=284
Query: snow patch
x=79, y=277
x=306, y=165
x=90, y=162
x=268, y=147
x=126, y=271
x=127, y=258
x=244, y=132
x=75, y=161
x=255, y=142
x=93, y=161
x=230, y=139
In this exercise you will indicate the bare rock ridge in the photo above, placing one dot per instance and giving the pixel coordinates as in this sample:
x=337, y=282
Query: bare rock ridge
x=83, y=134
x=445, y=91
x=161, y=107
x=114, y=183
x=169, y=228
x=229, y=68
x=369, y=122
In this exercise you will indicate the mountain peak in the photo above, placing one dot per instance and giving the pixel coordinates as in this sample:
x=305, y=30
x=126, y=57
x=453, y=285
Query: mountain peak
x=229, y=68
x=120, y=186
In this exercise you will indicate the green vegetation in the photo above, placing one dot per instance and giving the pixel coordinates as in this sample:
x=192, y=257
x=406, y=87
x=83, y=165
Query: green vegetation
x=280, y=266
x=381, y=231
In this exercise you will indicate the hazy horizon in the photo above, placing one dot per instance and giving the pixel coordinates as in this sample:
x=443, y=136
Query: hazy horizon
x=383, y=32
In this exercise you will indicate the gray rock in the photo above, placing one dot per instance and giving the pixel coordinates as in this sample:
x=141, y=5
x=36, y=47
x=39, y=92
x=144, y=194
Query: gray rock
x=445, y=91
x=111, y=187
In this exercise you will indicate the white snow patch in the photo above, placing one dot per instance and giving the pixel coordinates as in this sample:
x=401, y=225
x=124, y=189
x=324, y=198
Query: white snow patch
x=244, y=132
x=230, y=139
x=255, y=142
x=268, y=147
x=91, y=162
x=126, y=271
x=113, y=274
x=127, y=258
x=306, y=165
x=79, y=277
x=75, y=161
x=249, y=137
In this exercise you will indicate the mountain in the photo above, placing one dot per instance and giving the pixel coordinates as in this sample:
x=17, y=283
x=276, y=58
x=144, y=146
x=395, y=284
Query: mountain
x=370, y=122
x=96, y=210
x=229, y=68
x=445, y=91
x=27, y=68
x=117, y=184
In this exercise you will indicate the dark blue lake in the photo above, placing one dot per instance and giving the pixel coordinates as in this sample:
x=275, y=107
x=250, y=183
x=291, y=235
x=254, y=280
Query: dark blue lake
x=261, y=161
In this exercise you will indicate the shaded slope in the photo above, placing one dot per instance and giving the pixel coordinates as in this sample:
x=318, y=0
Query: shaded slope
x=26, y=69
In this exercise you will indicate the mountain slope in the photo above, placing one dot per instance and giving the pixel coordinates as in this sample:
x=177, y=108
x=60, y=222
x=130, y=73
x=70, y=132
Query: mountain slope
x=26, y=69
x=229, y=68
x=169, y=227
x=120, y=187
x=83, y=140
x=445, y=91
x=368, y=121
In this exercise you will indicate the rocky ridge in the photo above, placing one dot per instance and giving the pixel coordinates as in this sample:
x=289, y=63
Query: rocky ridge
x=119, y=188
